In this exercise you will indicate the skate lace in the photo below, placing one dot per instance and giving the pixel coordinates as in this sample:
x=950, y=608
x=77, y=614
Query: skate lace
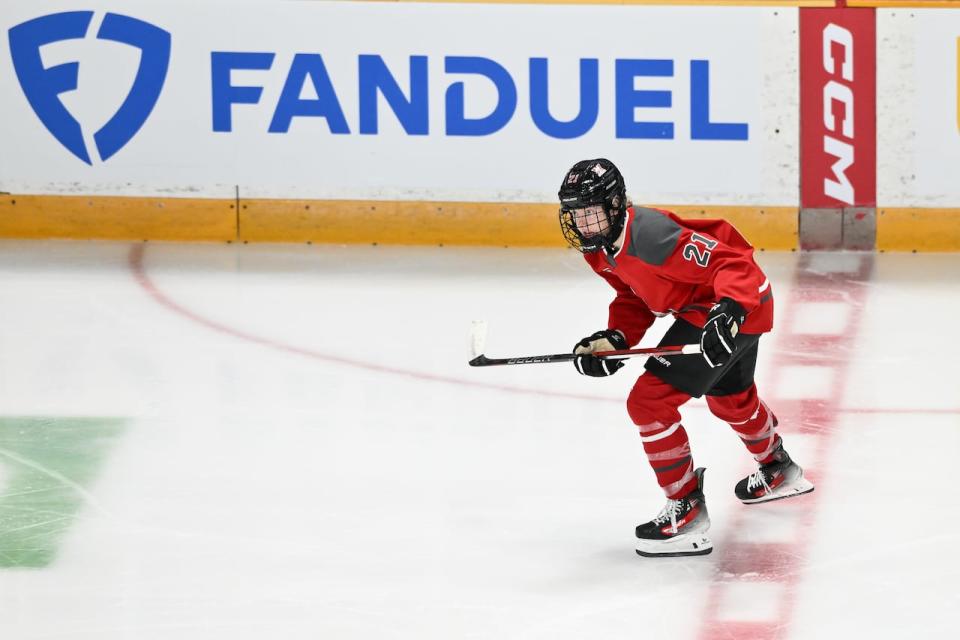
x=757, y=479
x=669, y=512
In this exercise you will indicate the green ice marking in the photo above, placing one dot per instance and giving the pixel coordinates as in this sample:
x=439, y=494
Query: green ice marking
x=45, y=466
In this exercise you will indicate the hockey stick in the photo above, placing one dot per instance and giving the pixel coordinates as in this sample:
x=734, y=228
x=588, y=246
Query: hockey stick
x=483, y=361
x=480, y=360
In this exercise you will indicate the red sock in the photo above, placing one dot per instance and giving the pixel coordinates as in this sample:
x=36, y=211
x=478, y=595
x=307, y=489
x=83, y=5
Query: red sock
x=668, y=451
x=758, y=433
x=750, y=417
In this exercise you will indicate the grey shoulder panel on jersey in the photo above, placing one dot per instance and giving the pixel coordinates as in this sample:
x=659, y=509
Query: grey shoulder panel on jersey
x=653, y=236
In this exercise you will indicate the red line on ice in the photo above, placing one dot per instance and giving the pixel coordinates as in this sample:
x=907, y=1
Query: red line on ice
x=136, y=262
x=137, y=266
x=739, y=561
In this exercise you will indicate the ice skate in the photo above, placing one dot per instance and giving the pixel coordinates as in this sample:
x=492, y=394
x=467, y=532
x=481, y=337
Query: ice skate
x=680, y=528
x=782, y=478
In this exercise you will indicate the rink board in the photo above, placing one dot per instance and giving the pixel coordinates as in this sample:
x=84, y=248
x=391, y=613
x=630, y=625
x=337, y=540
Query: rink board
x=332, y=221
x=918, y=129
x=292, y=107
x=359, y=138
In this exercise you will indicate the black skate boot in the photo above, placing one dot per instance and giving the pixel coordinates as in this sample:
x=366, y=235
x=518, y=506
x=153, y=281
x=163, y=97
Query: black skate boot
x=782, y=478
x=679, y=529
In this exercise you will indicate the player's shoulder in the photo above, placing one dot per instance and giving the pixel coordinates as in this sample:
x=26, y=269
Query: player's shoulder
x=654, y=235
x=593, y=259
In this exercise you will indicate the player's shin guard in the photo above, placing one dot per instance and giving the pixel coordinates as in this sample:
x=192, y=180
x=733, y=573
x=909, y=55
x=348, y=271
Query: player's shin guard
x=680, y=528
x=668, y=450
x=750, y=417
x=653, y=407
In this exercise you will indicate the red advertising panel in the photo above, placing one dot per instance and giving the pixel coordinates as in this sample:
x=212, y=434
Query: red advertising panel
x=838, y=86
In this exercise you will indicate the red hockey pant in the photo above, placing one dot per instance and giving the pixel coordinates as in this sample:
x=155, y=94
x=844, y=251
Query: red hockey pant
x=654, y=407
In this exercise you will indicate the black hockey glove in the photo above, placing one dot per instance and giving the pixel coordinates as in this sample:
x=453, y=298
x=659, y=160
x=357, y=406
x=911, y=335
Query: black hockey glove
x=590, y=365
x=723, y=325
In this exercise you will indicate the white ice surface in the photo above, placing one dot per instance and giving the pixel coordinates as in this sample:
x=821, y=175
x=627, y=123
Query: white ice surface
x=308, y=455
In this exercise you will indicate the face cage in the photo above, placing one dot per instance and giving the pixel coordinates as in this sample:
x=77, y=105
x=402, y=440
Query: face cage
x=586, y=229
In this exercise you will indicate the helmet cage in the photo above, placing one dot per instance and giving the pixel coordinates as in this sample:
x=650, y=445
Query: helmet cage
x=587, y=228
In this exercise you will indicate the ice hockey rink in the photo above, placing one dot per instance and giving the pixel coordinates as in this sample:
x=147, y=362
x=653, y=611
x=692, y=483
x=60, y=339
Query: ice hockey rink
x=266, y=441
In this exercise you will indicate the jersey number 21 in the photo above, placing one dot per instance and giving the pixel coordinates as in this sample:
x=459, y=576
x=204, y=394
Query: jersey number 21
x=701, y=255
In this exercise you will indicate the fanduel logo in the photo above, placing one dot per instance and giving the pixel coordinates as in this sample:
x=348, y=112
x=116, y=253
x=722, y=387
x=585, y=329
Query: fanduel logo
x=43, y=86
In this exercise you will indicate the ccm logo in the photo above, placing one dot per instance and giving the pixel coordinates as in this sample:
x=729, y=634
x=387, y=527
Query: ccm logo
x=838, y=90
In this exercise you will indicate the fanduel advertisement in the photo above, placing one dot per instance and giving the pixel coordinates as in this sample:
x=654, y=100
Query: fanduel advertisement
x=42, y=85
x=396, y=101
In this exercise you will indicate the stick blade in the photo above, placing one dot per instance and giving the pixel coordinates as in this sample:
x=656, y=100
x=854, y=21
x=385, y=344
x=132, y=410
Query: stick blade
x=480, y=361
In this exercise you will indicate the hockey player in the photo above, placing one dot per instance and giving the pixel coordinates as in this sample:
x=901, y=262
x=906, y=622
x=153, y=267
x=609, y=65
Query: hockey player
x=703, y=274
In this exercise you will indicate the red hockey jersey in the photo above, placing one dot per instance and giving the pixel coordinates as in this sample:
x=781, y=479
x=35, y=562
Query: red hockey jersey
x=669, y=265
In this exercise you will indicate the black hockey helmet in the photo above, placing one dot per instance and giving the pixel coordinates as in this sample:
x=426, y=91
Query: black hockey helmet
x=593, y=205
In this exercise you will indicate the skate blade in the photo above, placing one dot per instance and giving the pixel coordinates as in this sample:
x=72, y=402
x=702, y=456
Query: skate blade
x=798, y=487
x=689, y=544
